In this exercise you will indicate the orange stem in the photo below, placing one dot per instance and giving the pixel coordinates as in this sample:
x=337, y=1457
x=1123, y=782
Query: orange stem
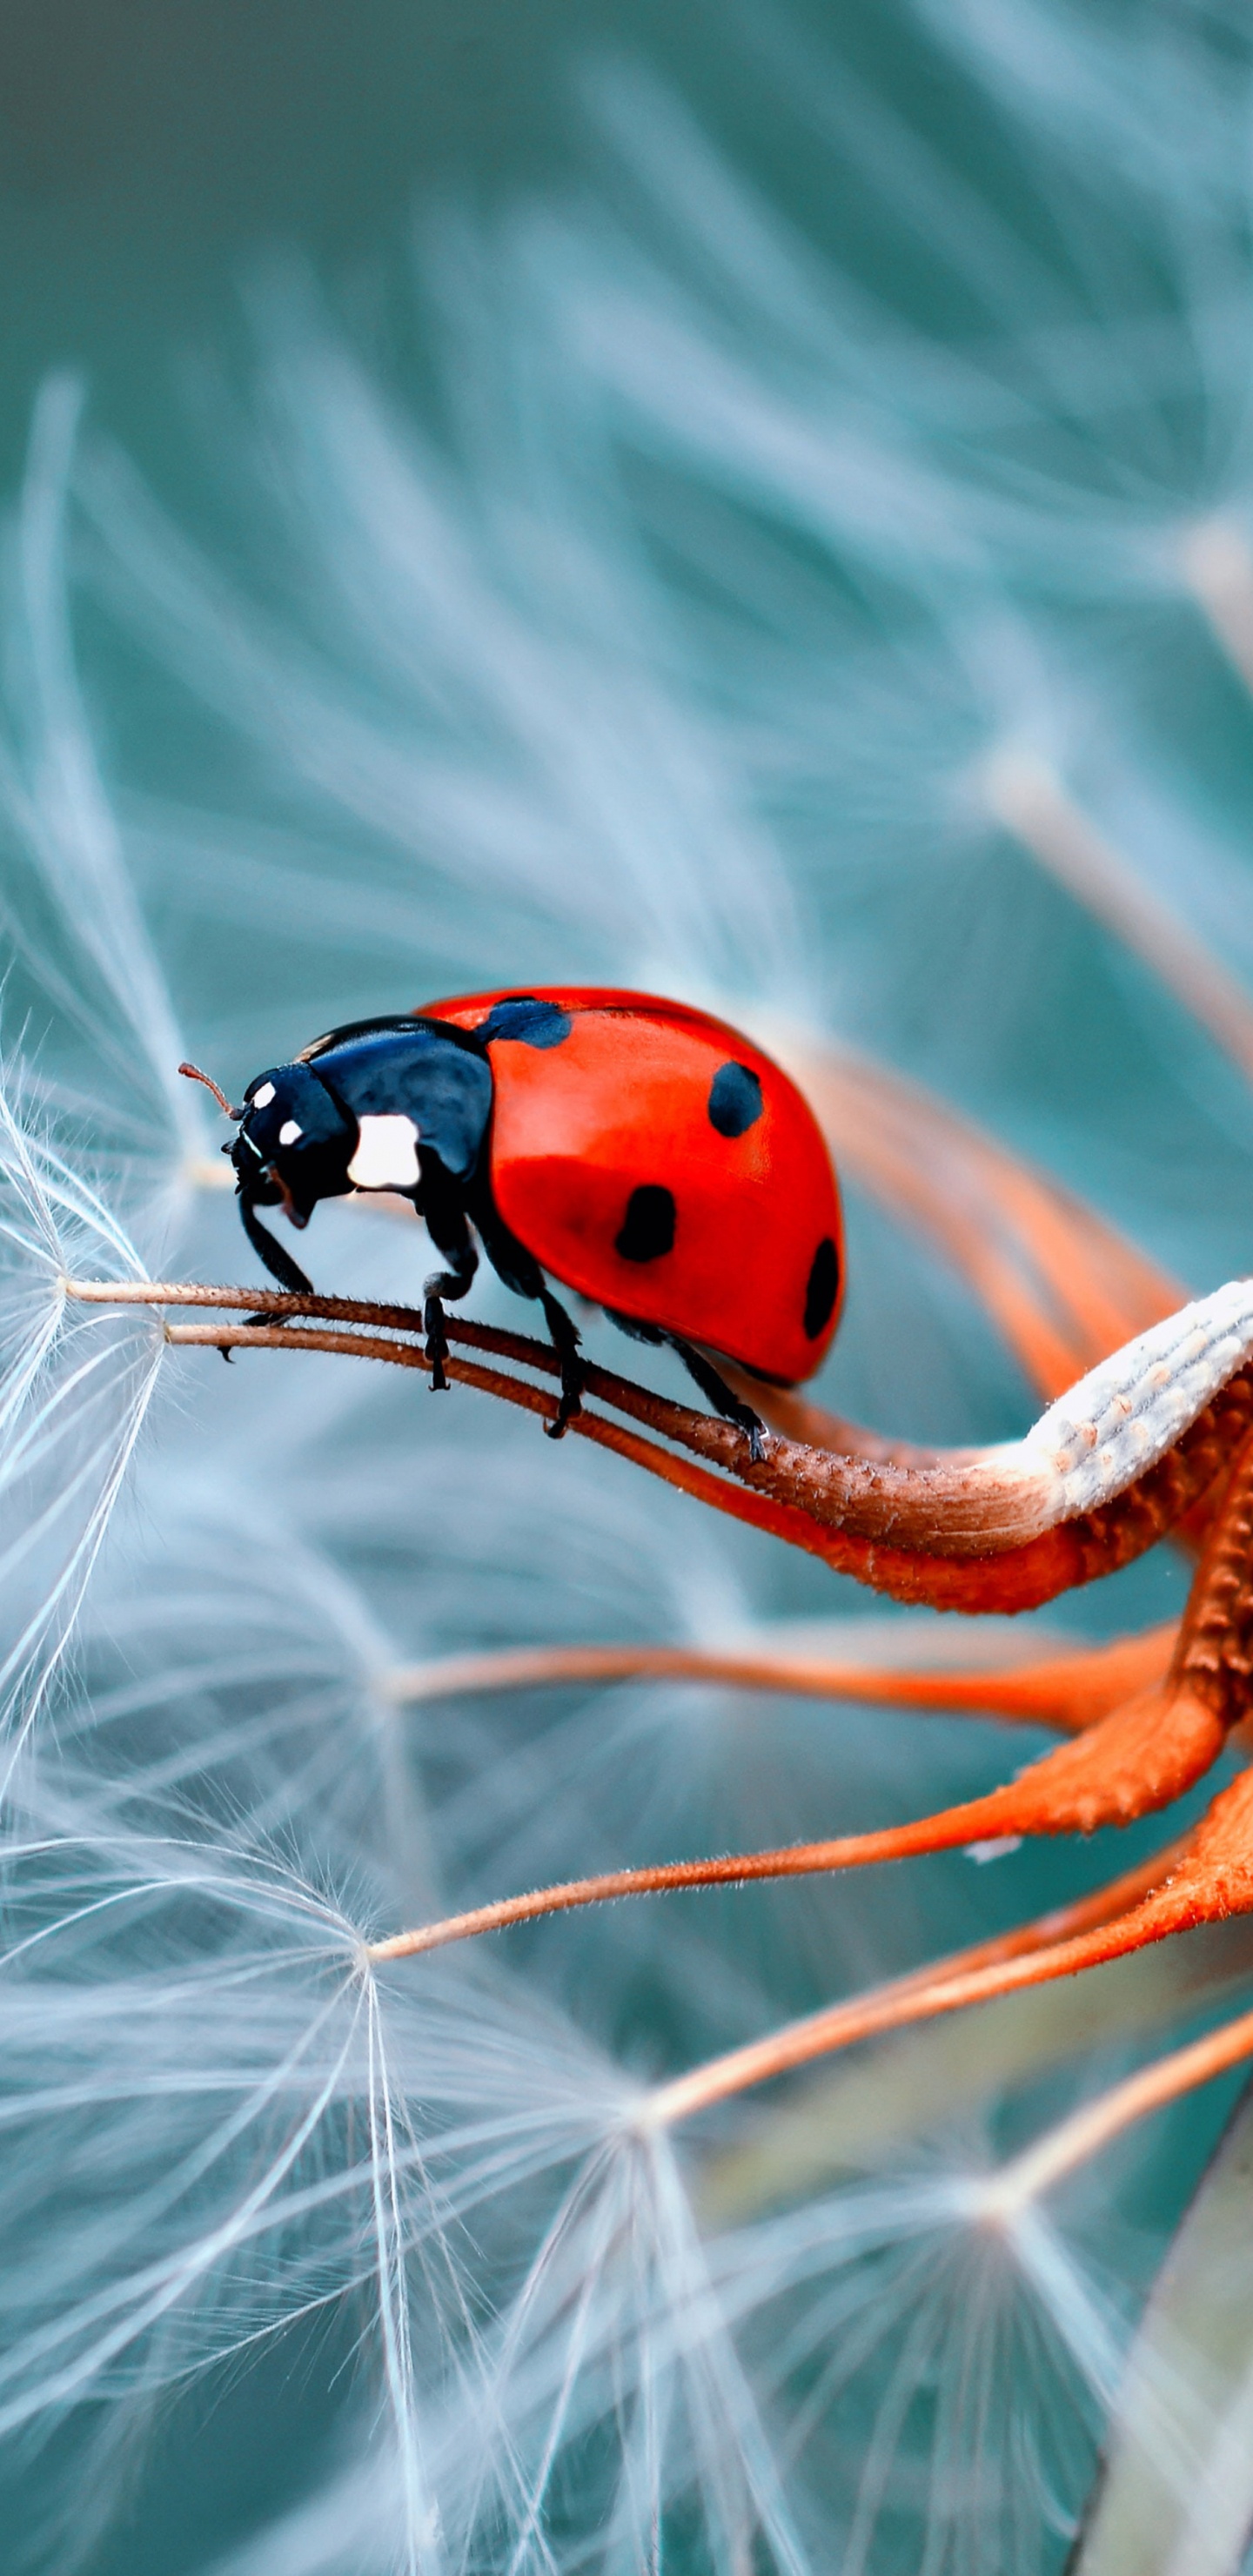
x=1141, y=1755
x=1201, y=1881
x=971, y=1976
x=1069, y=1691
x=1073, y=2141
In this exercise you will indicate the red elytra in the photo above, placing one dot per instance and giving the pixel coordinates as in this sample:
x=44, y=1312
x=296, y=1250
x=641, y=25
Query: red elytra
x=592, y=1137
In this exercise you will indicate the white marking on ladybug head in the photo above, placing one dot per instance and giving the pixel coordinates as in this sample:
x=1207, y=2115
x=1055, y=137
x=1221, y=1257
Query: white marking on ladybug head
x=261, y=1099
x=387, y=1155
x=289, y=1133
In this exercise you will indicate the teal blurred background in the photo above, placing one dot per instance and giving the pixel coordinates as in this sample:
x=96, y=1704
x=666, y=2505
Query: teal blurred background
x=150, y=154
x=150, y=151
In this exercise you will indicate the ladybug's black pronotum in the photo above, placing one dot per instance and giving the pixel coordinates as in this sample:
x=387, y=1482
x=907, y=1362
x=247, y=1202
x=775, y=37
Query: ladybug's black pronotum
x=639, y=1152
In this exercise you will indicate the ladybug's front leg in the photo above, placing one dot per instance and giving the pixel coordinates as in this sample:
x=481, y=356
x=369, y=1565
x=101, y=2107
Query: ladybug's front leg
x=449, y=1232
x=565, y=1336
x=441, y=1284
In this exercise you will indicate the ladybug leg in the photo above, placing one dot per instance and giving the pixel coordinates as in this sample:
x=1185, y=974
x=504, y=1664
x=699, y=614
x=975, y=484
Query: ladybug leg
x=713, y=1387
x=565, y=1338
x=454, y=1241
x=277, y=1259
x=719, y=1394
x=443, y=1283
x=521, y=1272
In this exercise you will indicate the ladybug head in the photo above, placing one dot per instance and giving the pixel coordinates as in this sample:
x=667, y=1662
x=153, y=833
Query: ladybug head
x=376, y=1106
x=294, y=1146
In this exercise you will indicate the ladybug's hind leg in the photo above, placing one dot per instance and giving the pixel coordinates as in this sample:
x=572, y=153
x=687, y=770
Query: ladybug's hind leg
x=719, y=1394
x=714, y=1388
x=565, y=1338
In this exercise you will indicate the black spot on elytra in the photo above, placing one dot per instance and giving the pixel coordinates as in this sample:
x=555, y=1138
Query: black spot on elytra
x=534, y=1023
x=734, y=1100
x=648, y=1227
x=824, y=1279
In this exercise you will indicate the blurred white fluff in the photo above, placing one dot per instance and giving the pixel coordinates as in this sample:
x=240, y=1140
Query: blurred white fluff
x=892, y=562
x=782, y=2392
x=75, y=1389
x=1134, y=330
x=76, y=933
x=1021, y=516
x=493, y=703
x=248, y=2135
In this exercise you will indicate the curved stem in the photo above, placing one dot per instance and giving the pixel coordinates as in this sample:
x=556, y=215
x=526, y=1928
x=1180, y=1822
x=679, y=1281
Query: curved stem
x=952, y=1537
x=968, y=1976
x=963, y=1504
x=1142, y=1756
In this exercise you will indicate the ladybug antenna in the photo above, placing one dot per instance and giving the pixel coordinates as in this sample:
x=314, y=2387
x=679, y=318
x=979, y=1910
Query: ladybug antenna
x=194, y=1074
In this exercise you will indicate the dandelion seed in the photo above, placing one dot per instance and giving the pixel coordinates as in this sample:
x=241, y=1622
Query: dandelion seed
x=71, y=911
x=76, y=1388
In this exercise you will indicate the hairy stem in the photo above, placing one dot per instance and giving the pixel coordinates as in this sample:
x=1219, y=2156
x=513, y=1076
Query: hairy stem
x=944, y=1985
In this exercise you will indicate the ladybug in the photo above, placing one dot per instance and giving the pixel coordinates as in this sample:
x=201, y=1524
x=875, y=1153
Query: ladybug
x=634, y=1150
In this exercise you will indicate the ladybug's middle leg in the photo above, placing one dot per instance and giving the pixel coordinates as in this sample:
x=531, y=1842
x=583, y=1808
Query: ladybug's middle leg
x=565, y=1338
x=521, y=1272
x=451, y=1283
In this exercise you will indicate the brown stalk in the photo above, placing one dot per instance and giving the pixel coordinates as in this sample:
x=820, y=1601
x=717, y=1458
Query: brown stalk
x=922, y=1535
x=955, y=1505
